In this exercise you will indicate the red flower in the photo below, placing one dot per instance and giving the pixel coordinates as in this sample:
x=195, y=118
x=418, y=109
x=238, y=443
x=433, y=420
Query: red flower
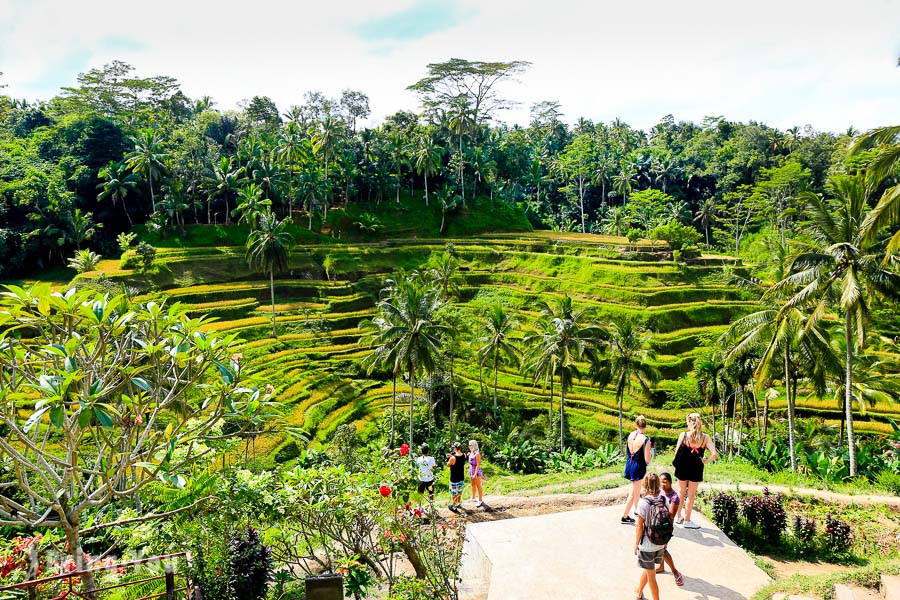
x=385, y=491
x=418, y=513
x=404, y=449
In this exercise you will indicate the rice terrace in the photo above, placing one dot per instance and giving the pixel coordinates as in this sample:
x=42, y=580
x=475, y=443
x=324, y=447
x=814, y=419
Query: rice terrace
x=446, y=344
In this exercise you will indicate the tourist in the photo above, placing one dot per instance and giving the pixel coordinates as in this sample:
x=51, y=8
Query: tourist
x=456, y=460
x=637, y=451
x=665, y=485
x=475, y=472
x=650, y=555
x=689, y=462
x=426, y=464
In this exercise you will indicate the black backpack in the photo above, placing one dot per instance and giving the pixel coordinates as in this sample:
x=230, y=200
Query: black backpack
x=658, y=526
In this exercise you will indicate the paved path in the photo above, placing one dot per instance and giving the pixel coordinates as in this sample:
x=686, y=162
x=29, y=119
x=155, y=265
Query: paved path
x=587, y=555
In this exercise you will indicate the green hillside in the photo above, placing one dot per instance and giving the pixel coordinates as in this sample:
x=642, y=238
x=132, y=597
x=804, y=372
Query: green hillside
x=329, y=289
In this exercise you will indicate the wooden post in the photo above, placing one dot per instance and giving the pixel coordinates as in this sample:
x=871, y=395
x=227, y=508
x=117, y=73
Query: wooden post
x=170, y=583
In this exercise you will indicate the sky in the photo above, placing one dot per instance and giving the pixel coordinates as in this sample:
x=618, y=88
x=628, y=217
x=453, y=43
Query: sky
x=781, y=62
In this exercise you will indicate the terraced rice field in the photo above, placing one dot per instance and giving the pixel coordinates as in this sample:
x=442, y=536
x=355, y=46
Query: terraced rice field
x=314, y=362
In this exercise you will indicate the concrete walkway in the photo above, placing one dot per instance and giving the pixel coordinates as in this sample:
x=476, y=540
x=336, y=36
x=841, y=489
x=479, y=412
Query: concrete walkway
x=587, y=555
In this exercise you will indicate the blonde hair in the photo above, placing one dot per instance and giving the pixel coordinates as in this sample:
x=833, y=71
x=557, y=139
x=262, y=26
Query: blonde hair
x=650, y=486
x=695, y=429
x=640, y=421
x=475, y=444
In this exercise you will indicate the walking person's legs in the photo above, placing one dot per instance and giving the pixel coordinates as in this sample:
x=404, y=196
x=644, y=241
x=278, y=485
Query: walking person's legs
x=634, y=494
x=648, y=579
x=682, y=491
x=689, y=499
x=476, y=481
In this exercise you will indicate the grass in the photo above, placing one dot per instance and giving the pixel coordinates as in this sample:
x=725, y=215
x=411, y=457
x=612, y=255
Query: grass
x=822, y=586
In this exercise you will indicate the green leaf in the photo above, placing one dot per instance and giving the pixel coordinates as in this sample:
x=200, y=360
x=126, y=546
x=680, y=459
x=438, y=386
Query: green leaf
x=69, y=364
x=102, y=417
x=56, y=349
x=85, y=417
x=141, y=383
x=57, y=415
x=227, y=375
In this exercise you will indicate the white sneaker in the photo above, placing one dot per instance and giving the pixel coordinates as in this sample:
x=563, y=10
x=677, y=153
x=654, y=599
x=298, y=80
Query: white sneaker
x=679, y=520
x=691, y=525
x=479, y=504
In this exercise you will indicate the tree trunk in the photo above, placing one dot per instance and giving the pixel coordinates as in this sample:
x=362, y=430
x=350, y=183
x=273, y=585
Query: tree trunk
x=620, y=397
x=550, y=425
x=713, y=411
x=426, y=187
x=152, y=198
x=740, y=441
x=88, y=583
x=462, y=183
x=272, y=291
x=393, y=406
x=495, y=383
x=412, y=402
x=848, y=396
x=765, y=423
x=127, y=215
x=756, y=412
x=562, y=417
x=451, y=391
x=790, y=410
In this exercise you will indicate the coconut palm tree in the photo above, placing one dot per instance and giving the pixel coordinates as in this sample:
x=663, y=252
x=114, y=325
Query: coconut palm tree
x=118, y=182
x=428, y=157
x=383, y=354
x=292, y=151
x=250, y=205
x=624, y=180
x=268, y=250
x=708, y=372
x=706, y=215
x=626, y=360
x=566, y=338
x=461, y=123
x=222, y=180
x=411, y=332
x=444, y=276
x=886, y=214
x=842, y=266
x=495, y=341
x=147, y=159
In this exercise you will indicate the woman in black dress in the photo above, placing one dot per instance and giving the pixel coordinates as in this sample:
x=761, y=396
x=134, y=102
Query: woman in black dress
x=689, y=462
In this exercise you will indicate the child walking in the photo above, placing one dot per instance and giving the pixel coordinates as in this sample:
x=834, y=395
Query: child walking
x=652, y=533
x=665, y=485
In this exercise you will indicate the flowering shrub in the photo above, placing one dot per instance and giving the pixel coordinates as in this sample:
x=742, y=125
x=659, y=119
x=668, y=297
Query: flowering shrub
x=804, y=531
x=250, y=566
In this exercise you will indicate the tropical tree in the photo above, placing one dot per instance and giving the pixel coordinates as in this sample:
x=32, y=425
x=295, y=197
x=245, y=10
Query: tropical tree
x=250, y=205
x=83, y=227
x=222, y=180
x=624, y=180
x=708, y=371
x=118, y=182
x=292, y=151
x=495, y=341
x=626, y=360
x=411, y=332
x=842, y=266
x=706, y=215
x=147, y=159
x=566, y=337
x=445, y=275
x=428, y=157
x=268, y=249
x=886, y=163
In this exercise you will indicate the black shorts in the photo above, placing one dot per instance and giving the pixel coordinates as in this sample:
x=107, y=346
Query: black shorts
x=426, y=486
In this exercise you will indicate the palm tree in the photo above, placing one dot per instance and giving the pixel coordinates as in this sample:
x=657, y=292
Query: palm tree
x=291, y=151
x=250, y=205
x=626, y=359
x=444, y=276
x=399, y=148
x=222, y=180
x=461, y=123
x=412, y=332
x=842, y=265
x=147, y=159
x=268, y=248
x=706, y=214
x=495, y=341
x=624, y=180
x=566, y=338
x=708, y=372
x=886, y=214
x=118, y=182
x=383, y=354
x=428, y=158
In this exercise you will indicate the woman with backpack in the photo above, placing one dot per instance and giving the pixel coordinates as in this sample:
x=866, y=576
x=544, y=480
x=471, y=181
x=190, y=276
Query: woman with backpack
x=654, y=530
x=689, y=462
x=638, y=453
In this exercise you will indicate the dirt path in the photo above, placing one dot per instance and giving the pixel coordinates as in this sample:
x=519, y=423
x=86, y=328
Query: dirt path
x=498, y=507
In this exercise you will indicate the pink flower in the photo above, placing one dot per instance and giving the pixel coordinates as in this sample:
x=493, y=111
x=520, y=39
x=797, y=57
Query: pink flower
x=270, y=389
x=237, y=357
x=385, y=491
x=404, y=449
x=138, y=420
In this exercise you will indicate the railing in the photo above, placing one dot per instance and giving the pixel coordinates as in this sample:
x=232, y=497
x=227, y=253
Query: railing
x=69, y=579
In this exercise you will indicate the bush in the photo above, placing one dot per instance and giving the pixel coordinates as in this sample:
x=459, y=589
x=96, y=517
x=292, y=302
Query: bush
x=765, y=513
x=804, y=531
x=520, y=455
x=84, y=260
x=889, y=481
x=676, y=234
x=768, y=455
x=250, y=566
x=147, y=254
x=838, y=536
x=725, y=512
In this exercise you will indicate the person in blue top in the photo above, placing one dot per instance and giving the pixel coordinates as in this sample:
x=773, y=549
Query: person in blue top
x=638, y=456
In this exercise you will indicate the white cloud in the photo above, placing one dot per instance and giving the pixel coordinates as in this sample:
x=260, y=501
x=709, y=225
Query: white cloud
x=785, y=63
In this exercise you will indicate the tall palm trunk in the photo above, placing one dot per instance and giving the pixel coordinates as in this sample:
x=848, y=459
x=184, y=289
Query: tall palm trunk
x=765, y=423
x=393, y=406
x=562, y=417
x=848, y=398
x=551, y=406
x=713, y=411
x=741, y=423
x=272, y=291
x=495, y=382
x=426, y=187
x=620, y=397
x=790, y=409
x=152, y=197
x=451, y=391
x=412, y=401
x=462, y=182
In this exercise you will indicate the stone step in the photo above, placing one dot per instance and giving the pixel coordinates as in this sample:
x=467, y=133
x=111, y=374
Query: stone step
x=843, y=591
x=890, y=587
x=783, y=596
